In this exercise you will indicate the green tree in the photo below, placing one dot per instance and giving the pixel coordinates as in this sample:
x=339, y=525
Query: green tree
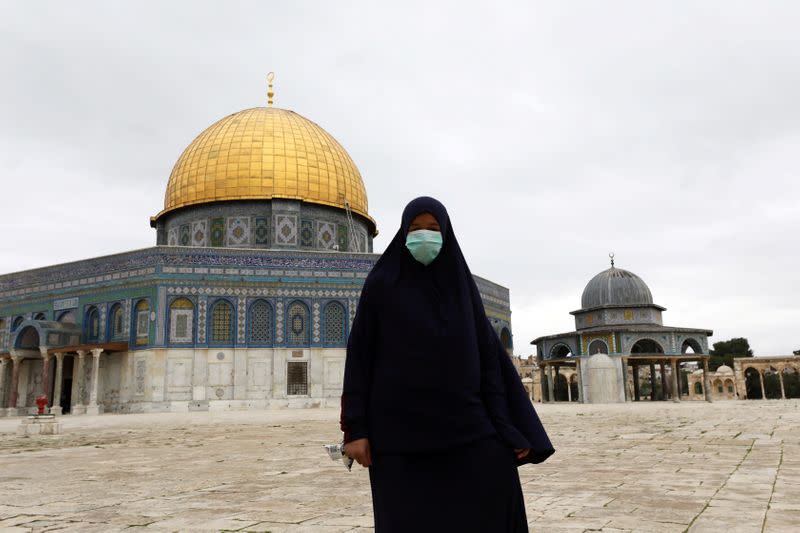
x=724, y=352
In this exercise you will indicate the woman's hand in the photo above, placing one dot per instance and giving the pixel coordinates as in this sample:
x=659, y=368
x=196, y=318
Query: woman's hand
x=521, y=452
x=359, y=450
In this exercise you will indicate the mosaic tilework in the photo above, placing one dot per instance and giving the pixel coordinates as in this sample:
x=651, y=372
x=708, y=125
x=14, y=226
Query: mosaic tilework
x=241, y=320
x=341, y=237
x=221, y=322
x=285, y=230
x=199, y=232
x=238, y=232
x=202, y=305
x=326, y=235
x=261, y=231
x=307, y=233
x=315, y=329
x=217, y=231
x=172, y=237
x=127, y=326
x=279, y=320
x=184, y=235
x=334, y=323
x=261, y=322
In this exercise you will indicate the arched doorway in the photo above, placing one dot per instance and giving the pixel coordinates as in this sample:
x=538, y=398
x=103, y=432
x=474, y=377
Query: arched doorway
x=772, y=384
x=752, y=383
x=791, y=382
x=560, y=351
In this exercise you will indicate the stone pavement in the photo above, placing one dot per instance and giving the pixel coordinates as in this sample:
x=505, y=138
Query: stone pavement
x=651, y=467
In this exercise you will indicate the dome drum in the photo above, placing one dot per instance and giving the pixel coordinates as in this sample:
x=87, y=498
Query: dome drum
x=274, y=224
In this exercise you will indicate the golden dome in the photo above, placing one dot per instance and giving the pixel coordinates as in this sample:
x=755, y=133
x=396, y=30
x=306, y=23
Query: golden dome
x=264, y=153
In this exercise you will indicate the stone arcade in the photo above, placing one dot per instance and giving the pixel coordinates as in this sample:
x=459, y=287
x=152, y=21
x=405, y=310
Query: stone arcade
x=245, y=301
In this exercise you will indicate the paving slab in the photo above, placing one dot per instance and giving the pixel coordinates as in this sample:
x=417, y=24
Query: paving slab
x=642, y=467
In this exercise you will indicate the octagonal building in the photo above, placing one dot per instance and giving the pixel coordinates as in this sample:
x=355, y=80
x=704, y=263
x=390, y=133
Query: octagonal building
x=246, y=300
x=620, y=349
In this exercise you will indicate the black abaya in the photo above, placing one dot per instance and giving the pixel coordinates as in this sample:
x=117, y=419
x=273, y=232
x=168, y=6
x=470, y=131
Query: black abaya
x=428, y=382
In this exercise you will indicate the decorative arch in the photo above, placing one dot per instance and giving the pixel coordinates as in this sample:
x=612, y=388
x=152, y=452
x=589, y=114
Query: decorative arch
x=298, y=331
x=67, y=317
x=791, y=382
x=92, y=324
x=261, y=323
x=693, y=345
x=181, y=321
x=27, y=338
x=17, y=322
x=40, y=316
x=598, y=346
x=335, y=332
x=560, y=350
x=647, y=346
x=116, y=322
x=772, y=383
x=221, y=322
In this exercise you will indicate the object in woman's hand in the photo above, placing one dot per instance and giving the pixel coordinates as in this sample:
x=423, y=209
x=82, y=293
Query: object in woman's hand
x=336, y=453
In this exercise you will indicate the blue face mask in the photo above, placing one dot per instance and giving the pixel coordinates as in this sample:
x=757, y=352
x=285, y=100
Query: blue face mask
x=424, y=245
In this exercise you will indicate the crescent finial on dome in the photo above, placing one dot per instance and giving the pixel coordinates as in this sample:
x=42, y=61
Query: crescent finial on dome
x=270, y=92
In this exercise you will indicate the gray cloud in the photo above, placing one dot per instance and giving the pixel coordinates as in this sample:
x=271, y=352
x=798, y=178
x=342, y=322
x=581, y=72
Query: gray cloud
x=555, y=133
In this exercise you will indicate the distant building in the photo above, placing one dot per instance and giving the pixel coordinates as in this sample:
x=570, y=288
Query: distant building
x=619, y=335
x=245, y=302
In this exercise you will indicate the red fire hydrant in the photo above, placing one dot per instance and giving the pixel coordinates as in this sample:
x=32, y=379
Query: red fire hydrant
x=41, y=402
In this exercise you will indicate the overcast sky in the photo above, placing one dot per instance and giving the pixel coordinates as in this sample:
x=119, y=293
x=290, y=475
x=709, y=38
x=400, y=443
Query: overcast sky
x=553, y=132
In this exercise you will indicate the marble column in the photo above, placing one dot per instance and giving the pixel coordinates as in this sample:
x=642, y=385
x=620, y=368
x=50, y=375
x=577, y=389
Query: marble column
x=46, y=358
x=783, y=392
x=93, y=408
x=569, y=392
x=77, y=407
x=706, y=381
x=652, y=381
x=3, y=385
x=580, y=380
x=56, y=408
x=636, y=383
x=676, y=393
x=761, y=380
x=542, y=380
x=663, y=369
x=550, y=388
x=13, y=408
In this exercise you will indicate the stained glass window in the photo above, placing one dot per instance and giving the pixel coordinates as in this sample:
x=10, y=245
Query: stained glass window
x=297, y=327
x=221, y=322
x=334, y=323
x=180, y=318
x=297, y=377
x=261, y=322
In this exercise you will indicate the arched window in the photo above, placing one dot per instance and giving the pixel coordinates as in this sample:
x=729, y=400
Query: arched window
x=598, y=346
x=28, y=338
x=181, y=320
x=93, y=324
x=17, y=323
x=297, y=331
x=260, y=323
x=142, y=322
x=67, y=317
x=116, y=325
x=334, y=323
x=40, y=316
x=560, y=351
x=221, y=322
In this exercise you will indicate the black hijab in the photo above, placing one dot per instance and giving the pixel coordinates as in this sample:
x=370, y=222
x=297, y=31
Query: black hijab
x=425, y=370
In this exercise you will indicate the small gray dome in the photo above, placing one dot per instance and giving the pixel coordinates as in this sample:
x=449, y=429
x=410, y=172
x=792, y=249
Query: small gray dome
x=616, y=287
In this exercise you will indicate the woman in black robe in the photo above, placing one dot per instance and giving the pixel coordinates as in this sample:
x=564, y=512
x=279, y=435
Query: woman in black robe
x=431, y=402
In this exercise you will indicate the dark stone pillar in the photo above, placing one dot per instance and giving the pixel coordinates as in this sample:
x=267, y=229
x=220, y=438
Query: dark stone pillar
x=636, y=382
